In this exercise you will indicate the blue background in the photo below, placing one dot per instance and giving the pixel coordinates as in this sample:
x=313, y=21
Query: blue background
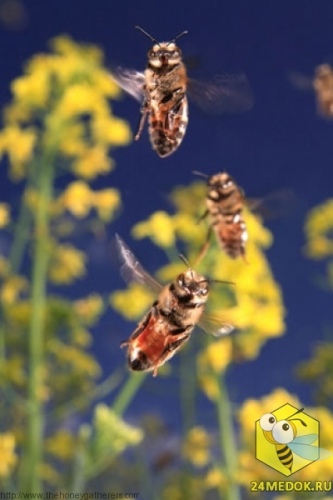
x=281, y=143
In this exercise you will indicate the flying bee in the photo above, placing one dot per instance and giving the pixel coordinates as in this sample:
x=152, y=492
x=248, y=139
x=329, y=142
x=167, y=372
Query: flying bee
x=283, y=435
x=225, y=203
x=163, y=88
x=169, y=323
x=321, y=84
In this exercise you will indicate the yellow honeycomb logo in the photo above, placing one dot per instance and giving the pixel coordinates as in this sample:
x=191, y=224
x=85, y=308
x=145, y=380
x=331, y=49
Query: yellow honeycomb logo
x=287, y=439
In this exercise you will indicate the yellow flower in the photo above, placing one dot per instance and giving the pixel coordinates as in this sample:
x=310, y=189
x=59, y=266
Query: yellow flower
x=19, y=146
x=133, y=302
x=4, y=214
x=67, y=264
x=11, y=288
x=75, y=357
x=110, y=130
x=158, y=227
x=61, y=445
x=215, y=479
x=33, y=89
x=77, y=199
x=89, y=309
x=106, y=202
x=112, y=433
x=79, y=98
x=196, y=447
x=216, y=356
x=318, y=228
x=92, y=162
x=7, y=454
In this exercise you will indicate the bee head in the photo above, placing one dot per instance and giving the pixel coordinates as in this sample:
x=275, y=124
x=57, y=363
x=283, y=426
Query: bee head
x=191, y=285
x=220, y=185
x=164, y=53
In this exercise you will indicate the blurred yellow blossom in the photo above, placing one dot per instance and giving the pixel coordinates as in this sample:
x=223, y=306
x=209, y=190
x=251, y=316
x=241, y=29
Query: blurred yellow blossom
x=74, y=88
x=215, y=479
x=112, y=433
x=92, y=162
x=67, y=264
x=318, y=231
x=34, y=87
x=106, y=202
x=159, y=227
x=89, y=309
x=11, y=288
x=61, y=444
x=71, y=355
x=4, y=214
x=18, y=144
x=212, y=360
x=77, y=198
x=196, y=447
x=7, y=454
x=110, y=130
x=132, y=302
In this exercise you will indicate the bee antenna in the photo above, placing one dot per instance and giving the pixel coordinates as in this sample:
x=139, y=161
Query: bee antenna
x=147, y=34
x=184, y=259
x=201, y=174
x=179, y=36
x=222, y=281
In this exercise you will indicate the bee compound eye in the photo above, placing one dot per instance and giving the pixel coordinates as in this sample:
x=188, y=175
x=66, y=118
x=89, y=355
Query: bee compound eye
x=267, y=422
x=283, y=432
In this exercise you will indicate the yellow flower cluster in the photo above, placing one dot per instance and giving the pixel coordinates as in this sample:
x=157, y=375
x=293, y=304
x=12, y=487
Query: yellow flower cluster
x=79, y=199
x=318, y=231
x=72, y=356
x=112, y=434
x=196, y=447
x=61, y=444
x=4, y=215
x=319, y=370
x=131, y=302
x=89, y=309
x=68, y=92
x=11, y=286
x=67, y=264
x=7, y=454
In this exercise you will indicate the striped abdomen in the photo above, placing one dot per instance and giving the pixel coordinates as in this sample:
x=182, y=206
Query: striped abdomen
x=285, y=455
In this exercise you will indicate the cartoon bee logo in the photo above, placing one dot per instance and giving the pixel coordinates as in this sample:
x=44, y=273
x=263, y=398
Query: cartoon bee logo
x=284, y=435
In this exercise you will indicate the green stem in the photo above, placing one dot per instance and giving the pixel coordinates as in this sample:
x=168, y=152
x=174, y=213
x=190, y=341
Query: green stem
x=21, y=236
x=128, y=391
x=187, y=387
x=40, y=258
x=227, y=440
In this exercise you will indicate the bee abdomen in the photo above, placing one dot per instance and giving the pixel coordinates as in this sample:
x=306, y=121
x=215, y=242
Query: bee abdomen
x=167, y=129
x=285, y=455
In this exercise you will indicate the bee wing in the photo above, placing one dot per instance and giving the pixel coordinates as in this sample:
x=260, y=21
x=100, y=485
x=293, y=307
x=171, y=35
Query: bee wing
x=225, y=94
x=214, y=325
x=130, y=80
x=131, y=270
x=300, y=81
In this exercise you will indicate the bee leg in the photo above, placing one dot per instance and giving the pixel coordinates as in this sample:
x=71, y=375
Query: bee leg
x=144, y=113
x=205, y=247
x=202, y=217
